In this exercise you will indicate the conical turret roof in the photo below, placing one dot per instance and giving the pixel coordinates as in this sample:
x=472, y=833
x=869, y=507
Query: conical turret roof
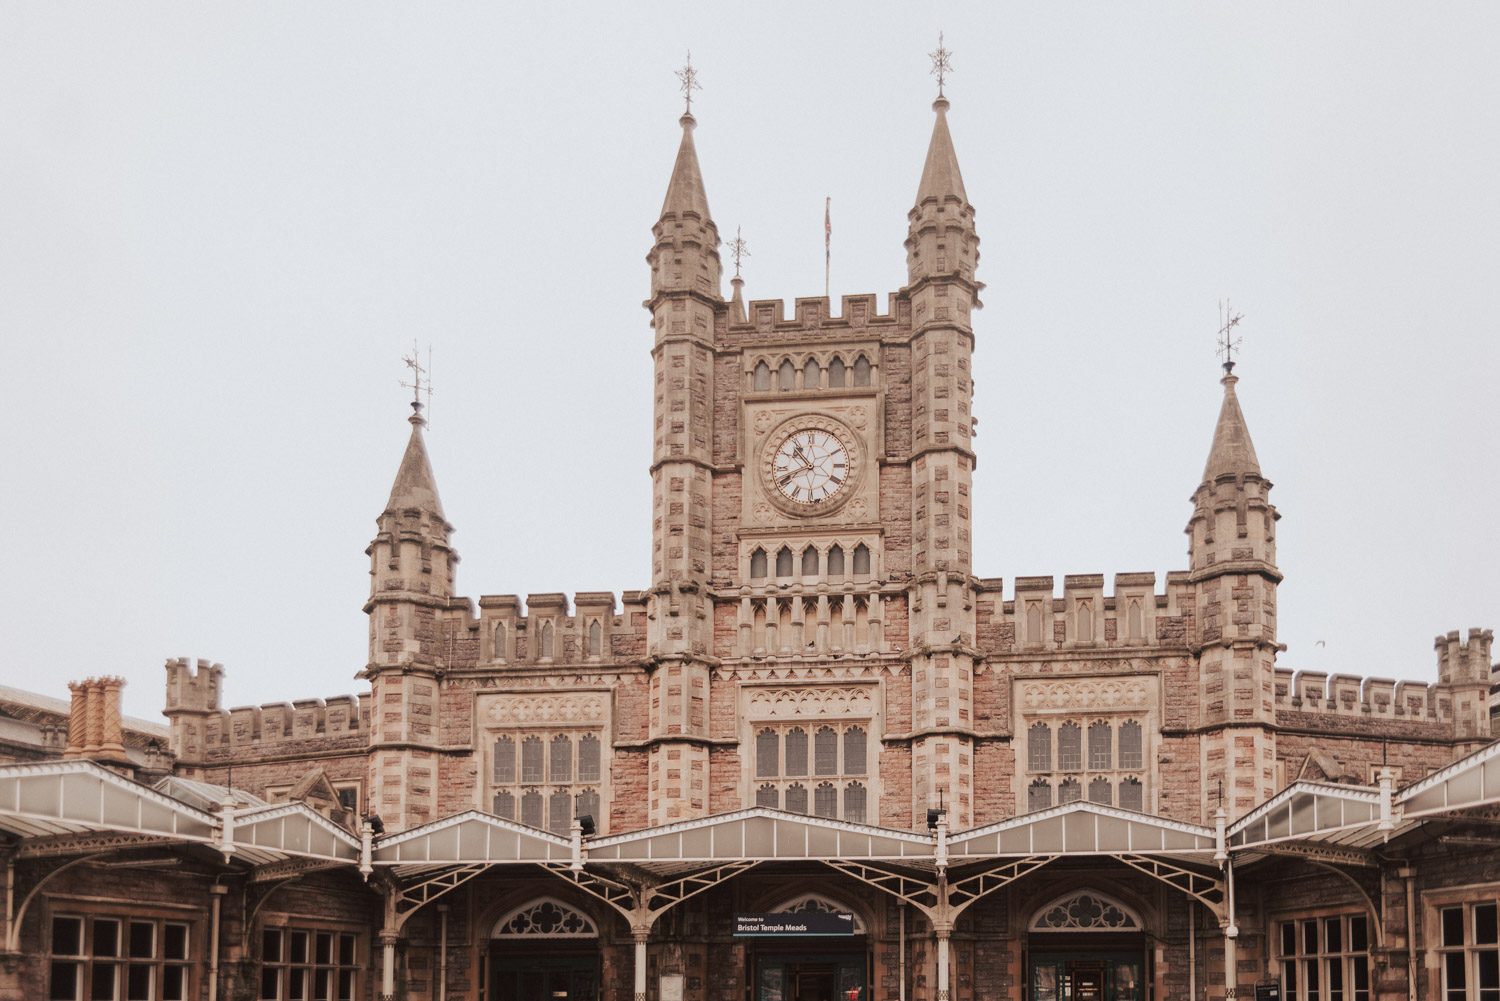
x=940, y=175
x=415, y=486
x=1232, y=453
x=685, y=192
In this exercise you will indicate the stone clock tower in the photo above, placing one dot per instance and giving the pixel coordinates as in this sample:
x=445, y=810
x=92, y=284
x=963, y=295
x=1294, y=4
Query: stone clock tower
x=811, y=522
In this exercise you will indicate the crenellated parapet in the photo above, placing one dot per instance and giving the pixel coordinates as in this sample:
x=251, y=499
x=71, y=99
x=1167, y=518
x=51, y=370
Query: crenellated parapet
x=1086, y=617
x=279, y=728
x=813, y=319
x=547, y=629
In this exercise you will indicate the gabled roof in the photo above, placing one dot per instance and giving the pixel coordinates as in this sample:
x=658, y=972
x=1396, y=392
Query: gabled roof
x=1473, y=780
x=78, y=796
x=294, y=829
x=1083, y=828
x=762, y=833
x=1329, y=813
x=471, y=836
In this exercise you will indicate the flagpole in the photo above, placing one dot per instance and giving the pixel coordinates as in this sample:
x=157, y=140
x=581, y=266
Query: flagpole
x=827, y=241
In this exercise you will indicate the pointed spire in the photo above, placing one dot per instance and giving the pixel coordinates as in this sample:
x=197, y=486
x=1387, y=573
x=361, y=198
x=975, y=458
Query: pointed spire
x=940, y=175
x=415, y=486
x=685, y=192
x=1232, y=453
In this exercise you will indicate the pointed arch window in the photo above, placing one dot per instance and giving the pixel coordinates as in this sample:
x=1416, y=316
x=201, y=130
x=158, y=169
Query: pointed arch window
x=812, y=375
x=854, y=803
x=855, y=740
x=796, y=751
x=1085, y=622
x=758, y=564
x=1130, y=744
x=562, y=758
x=861, y=559
x=1033, y=622
x=499, y=641
x=546, y=645
x=788, y=375
x=588, y=805
x=1100, y=792
x=836, y=373
x=826, y=751
x=560, y=812
x=767, y=795
x=1099, y=746
x=588, y=758
x=767, y=746
x=861, y=371
x=836, y=561
x=762, y=377
x=1069, y=791
x=796, y=798
x=531, y=809
x=826, y=801
x=1039, y=748
x=596, y=638
x=1070, y=747
x=809, y=562
x=531, y=759
x=1135, y=627
x=783, y=562
x=1132, y=795
x=1038, y=795
x=505, y=760
x=504, y=805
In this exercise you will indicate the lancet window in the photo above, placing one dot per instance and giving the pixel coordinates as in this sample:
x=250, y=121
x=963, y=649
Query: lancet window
x=834, y=772
x=545, y=779
x=1099, y=759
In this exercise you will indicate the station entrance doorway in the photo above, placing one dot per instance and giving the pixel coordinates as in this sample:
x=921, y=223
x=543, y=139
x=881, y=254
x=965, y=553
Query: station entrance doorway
x=812, y=976
x=1085, y=976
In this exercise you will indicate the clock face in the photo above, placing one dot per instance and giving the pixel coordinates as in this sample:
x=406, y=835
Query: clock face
x=810, y=465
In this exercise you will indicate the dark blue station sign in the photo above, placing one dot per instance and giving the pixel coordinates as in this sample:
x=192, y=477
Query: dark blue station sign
x=789, y=925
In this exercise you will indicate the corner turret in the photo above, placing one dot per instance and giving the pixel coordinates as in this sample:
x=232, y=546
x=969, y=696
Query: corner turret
x=941, y=239
x=685, y=257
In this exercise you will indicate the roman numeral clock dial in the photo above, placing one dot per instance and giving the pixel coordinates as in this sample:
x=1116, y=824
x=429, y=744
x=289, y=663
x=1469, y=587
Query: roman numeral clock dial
x=810, y=466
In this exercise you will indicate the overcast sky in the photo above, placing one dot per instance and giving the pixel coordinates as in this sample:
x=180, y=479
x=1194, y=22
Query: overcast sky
x=222, y=225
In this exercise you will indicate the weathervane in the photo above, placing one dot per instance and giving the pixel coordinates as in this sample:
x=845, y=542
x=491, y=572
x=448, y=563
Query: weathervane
x=1228, y=320
x=689, y=78
x=941, y=67
x=418, y=384
x=738, y=250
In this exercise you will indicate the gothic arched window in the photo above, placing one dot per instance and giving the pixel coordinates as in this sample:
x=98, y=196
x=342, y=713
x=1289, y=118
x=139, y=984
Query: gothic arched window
x=796, y=752
x=562, y=758
x=796, y=798
x=766, y=796
x=1099, y=791
x=854, y=750
x=1135, y=627
x=1034, y=622
x=546, y=646
x=504, y=805
x=1039, y=748
x=861, y=371
x=1038, y=795
x=588, y=758
x=1085, y=622
x=762, y=377
x=767, y=746
x=531, y=809
x=836, y=374
x=531, y=759
x=1070, y=747
x=809, y=562
x=826, y=751
x=505, y=760
x=861, y=559
x=1099, y=741
x=812, y=375
x=588, y=805
x=826, y=801
x=758, y=564
x=1132, y=795
x=596, y=638
x=854, y=803
x=1130, y=744
x=836, y=561
x=783, y=562
x=499, y=641
x=1069, y=791
x=788, y=375
x=560, y=812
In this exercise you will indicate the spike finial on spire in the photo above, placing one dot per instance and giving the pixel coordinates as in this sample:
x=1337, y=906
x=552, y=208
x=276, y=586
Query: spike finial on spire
x=737, y=249
x=689, y=82
x=1228, y=320
x=418, y=384
x=941, y=63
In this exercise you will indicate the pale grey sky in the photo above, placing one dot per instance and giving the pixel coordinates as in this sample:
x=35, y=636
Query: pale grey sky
x=223, y=224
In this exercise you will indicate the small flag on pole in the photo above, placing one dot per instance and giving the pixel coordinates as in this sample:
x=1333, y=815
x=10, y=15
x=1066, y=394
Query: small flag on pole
x=827, y=240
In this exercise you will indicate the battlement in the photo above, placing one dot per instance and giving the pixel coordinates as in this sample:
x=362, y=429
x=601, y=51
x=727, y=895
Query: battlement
x=265, y=726
x=1085, y=616
x=190, y=690
x=1354, y=696
x=1465, y=661
x=595, y=627
x=814, y=313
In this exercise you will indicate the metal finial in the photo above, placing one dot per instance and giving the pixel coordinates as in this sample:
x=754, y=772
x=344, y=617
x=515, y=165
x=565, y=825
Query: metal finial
x=738, y=249
x=941, y=66
x=419, y=384
x=689, y=78
x=1228, y=320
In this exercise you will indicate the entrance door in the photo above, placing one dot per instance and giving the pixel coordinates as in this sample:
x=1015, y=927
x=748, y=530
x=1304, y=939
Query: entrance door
x=810, y=977
x=546, y=978
x=1085, y=977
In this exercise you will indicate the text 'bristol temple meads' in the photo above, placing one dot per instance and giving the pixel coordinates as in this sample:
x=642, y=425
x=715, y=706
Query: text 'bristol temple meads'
x=818, y=757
